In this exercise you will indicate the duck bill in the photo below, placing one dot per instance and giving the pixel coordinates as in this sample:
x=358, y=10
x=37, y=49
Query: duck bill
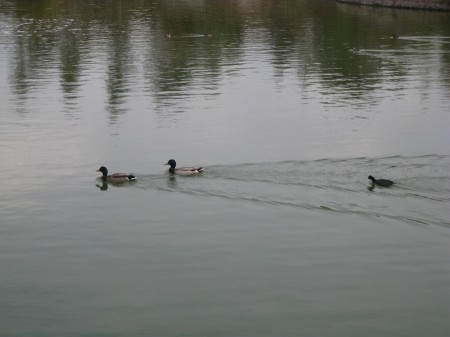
x=166, y=164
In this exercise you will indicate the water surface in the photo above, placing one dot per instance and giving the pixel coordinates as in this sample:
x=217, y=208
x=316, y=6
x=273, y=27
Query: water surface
x=289, y=106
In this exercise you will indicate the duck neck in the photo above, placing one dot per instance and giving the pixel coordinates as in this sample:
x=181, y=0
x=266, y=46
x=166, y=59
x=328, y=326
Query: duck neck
x=172, y=169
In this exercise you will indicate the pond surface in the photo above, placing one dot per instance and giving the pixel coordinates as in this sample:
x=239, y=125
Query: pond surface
x=289, y=106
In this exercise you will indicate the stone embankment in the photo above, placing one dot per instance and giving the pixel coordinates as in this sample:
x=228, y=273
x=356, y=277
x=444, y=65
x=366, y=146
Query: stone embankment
x=443, y=5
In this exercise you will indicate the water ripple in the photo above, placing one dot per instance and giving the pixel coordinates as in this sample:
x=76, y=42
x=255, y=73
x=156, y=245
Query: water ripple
x=336, y=185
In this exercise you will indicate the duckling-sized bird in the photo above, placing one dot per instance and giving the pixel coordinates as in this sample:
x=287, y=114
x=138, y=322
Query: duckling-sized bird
x=184, y=171
x=116, y=177
x=381, y=182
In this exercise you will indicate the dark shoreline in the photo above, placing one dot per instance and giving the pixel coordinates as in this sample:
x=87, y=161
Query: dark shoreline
x=439, y=5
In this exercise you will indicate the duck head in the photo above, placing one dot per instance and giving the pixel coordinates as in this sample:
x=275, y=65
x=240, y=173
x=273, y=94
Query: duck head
x=172, y=163
x=371, y=178
x=103, y=170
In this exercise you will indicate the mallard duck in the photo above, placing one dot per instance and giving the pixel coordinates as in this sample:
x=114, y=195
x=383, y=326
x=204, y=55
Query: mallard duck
x=184, y=171
x=116, y=177
x=381, y=182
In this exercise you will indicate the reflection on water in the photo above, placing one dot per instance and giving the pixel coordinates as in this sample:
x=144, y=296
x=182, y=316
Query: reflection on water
x=126, y=43
x=103, y=187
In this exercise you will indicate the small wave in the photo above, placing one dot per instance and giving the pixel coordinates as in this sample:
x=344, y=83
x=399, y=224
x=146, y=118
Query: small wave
x=328, y=184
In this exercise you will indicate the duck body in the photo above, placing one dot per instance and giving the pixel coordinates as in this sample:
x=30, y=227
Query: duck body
x=381, y=182
x=116, y=177
x=183, y=171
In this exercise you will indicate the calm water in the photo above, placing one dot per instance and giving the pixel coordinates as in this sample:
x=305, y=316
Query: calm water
x=289, y=106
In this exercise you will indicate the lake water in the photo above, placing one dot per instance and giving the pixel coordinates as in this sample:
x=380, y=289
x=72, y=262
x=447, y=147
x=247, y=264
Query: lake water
x=289, y=106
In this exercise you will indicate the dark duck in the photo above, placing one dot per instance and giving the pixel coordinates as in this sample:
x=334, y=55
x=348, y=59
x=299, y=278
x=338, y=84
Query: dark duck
x=381, y=182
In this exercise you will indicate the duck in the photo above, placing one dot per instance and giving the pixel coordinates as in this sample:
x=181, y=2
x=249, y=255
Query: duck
x=116, y=177
x=184, y=171
x=168, y=36
x=381, y=182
